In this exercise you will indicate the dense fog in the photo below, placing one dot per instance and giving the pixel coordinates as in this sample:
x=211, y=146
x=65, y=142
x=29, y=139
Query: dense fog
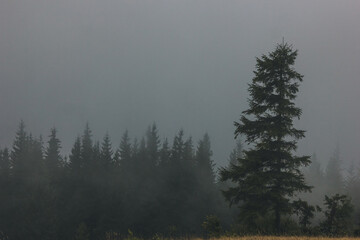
x=182, y=64
x=160, y=84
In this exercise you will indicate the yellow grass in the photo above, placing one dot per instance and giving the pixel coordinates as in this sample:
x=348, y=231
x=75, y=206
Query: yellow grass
x=281, y=238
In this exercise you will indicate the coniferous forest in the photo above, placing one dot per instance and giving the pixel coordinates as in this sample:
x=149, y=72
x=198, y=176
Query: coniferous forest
x=152, y=187
x=147, y=186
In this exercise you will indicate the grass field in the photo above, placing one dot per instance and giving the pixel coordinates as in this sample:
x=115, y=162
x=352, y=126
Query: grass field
x=244, y=238
x=283, y=238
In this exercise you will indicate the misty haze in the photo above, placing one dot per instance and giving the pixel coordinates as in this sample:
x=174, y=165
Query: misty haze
x=179, y=119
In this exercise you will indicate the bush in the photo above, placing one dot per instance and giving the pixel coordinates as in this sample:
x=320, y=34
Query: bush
x=337, y=215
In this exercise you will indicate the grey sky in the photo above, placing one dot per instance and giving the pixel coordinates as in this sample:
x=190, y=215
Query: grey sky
x=182, y=64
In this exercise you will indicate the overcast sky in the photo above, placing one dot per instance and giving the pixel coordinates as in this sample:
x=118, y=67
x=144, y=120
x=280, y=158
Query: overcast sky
x=182, y=64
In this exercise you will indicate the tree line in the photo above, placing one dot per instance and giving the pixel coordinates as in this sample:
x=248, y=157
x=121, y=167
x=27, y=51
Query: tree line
x=148, y=186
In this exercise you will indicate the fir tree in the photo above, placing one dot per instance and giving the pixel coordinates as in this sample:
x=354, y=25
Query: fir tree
x=268, y=174
x=96, y=163
x=205, y=176
x=333, y=177
x=19, y=151
x=352, y=185
x=87, y=148
x=53, y=158
x=76, y=164
x=152, y=144
x=106, y=155
x=178, y=148
x=188, y=157
x=165, y=153
x=204, y=162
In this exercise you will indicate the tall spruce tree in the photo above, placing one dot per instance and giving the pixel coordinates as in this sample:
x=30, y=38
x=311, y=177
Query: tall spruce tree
x=19, y=152
x=205, y=165
x=153, y=145
x=87, y=149
x=164, y=153
x=268, y=175
x=53, y=159
x=205, y=176
x=76, y=164
x=106, y=154
x=124, y=152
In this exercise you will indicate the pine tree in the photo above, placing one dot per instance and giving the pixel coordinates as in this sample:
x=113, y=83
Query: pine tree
x=141, y=159
x=36, y=154
x=204, y=162
x=152, y=144
x=106, y=155
x=205, y=176
x=19, y=151
x=87, y=148
x=76, y=164
x=53, y=158
x=30, y=209
x=333, y=177
x=174, y=190
x=268, y=174
x=352, y=184
x=164, y=153
x=178, y=148
x=96, y=164
x=188, y=157
x=123, y=153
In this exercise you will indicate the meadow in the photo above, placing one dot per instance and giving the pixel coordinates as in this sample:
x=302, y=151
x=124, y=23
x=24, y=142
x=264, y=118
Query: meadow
x=282, y=238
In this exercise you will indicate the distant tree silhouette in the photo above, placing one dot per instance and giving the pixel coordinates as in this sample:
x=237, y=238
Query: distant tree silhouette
x=76, y=164
x=333, y=176
x=352, y=185
x=106, y=154
x=53, y=159
x=204, y=162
